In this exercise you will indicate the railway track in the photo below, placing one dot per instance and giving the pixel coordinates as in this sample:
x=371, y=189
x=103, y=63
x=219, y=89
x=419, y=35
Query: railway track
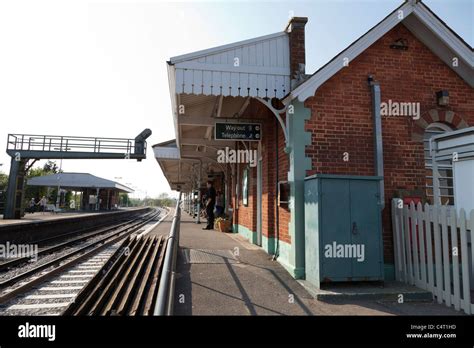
x=69, y=272
x=52, y=244
x=53, y=296
x=129, y=285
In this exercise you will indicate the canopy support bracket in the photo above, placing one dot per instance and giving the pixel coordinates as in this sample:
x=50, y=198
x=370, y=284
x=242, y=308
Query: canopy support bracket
x=277, y=113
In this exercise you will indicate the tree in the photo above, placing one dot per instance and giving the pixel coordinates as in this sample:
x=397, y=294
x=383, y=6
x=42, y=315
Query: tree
x=124, y=199
x=3, y=181
x=37, y=192
x=51, y=167
x=165, y=200
x=3, y=189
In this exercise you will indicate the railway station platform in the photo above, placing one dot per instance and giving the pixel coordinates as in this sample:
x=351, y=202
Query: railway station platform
x=49, y=224
x=223, y=274
x=48, y=216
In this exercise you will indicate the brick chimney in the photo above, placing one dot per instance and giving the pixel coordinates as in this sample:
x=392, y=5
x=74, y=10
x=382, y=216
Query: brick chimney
x=295, y=30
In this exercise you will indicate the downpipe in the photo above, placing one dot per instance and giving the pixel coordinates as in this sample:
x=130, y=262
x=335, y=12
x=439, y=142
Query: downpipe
x=378, y=142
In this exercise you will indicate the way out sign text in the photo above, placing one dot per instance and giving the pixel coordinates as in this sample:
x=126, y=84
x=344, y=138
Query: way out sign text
x=238, y=131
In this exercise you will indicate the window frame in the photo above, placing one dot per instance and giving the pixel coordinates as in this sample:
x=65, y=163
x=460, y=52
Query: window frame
x=438, y=128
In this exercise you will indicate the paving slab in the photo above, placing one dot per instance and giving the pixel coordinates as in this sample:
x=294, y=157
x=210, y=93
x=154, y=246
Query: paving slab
x=388, y=290
x=256, y=285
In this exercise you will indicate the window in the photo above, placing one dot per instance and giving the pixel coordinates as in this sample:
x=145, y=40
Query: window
x=245, y=187
x=445, y=168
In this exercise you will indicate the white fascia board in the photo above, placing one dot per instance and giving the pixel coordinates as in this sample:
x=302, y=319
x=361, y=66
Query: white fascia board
x=219, y=49
x=174, y=106
x=166, y=153
x=283, y=71
x=308, y=88
x=444, y=34
x=123, y=188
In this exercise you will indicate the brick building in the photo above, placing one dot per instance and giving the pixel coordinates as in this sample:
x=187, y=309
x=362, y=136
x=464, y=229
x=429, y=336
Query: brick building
x=322, y=123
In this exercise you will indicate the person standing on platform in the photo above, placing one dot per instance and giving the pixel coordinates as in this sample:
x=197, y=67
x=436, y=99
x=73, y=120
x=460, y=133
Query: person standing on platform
x=42, y=203
x=210, y=203
x=31, y=206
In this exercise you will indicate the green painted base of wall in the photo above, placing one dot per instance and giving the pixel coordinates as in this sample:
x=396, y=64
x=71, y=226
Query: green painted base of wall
x=268, y=244
x=284, y=260
x=389, y=271
x=245, y=232
x=284, y=250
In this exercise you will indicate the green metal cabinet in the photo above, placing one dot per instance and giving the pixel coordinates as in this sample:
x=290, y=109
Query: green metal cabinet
x=343, y=233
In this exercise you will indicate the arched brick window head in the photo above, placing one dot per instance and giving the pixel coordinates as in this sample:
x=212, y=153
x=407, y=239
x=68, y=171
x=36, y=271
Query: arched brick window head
x=437, y=116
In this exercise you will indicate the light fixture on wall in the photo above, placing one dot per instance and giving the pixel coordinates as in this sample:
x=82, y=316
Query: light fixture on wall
x=400, y=44
x=442, y=98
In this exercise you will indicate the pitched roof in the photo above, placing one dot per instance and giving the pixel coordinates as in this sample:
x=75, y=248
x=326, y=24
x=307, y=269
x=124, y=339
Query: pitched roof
x=76, y=180
x=422, y=22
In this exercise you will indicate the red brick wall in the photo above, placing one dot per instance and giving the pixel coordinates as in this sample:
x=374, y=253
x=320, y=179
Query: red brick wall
x=269, y=174
x=284, y=167
x=247, y=216
x=342, y=121
x=273, y=131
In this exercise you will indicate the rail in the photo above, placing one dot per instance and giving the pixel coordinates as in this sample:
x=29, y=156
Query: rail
x=70, y=258
x=165, y=296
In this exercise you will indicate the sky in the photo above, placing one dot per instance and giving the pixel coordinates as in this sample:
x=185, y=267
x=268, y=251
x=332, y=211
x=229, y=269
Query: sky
x=98, y=68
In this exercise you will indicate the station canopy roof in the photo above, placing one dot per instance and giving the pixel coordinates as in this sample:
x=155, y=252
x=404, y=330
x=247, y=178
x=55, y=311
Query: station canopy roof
x=77, y=181
x=217, y=85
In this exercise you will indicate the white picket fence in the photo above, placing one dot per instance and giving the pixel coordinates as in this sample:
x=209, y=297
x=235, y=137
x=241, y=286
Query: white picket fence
x=433, y=251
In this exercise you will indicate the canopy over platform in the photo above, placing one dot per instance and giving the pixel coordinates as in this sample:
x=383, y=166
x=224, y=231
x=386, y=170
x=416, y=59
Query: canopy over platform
x=77, y=181
x=218, y=85
x=259, y=67
x=168, y=157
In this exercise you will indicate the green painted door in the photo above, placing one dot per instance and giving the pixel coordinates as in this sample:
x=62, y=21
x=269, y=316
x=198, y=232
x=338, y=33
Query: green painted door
x=365, y=229
x=334, y=228
x=343, y=221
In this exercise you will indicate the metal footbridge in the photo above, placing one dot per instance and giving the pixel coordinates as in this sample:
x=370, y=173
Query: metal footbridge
x=26, y=149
